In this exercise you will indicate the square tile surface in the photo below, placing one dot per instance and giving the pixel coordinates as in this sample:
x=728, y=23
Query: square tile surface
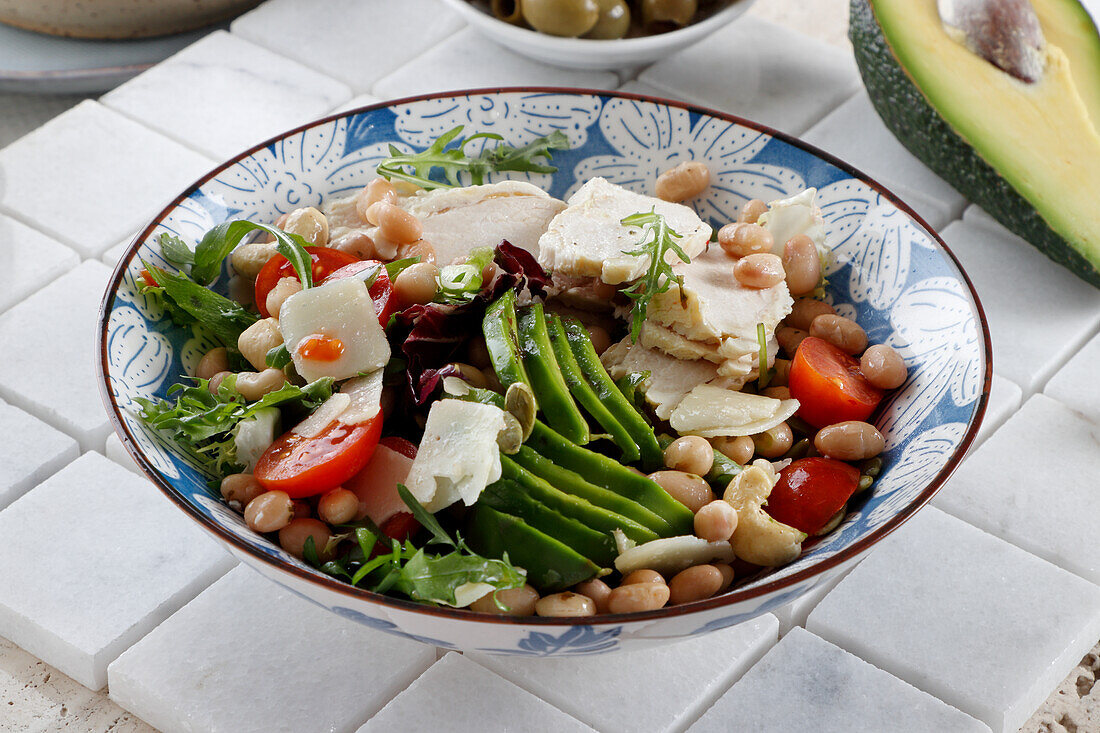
x=1021, y=291
x=132, y=560
x=806, y=684
x=592, y=689
x=1077, y=384
x=32, y=451
x=761, y=71
x=90, y=176
x=28, y=260
x=249, y=655
x=223, y=94
x=51, y=375
x=1004, y=399
x=464, y=697
x=964, y=616
x=1001, y=487
x=350, y=40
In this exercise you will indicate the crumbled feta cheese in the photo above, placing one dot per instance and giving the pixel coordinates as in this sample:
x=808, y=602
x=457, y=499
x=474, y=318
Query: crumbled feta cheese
x=253, y=435
x=339, y=310
x=588, y=240
x=458, y=455
x=798, y=214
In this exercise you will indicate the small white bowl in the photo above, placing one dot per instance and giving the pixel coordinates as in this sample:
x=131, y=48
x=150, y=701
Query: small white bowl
x=587, y=53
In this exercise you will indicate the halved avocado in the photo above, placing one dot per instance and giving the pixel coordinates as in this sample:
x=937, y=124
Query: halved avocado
x=1028, y=153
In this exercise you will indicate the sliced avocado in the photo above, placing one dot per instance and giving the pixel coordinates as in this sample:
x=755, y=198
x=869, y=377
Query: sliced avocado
x=551, y=566
x=573, y=483
x=512, y=498
x=612, y=475
x=502, y=339
x=1026, y=152
x=572, y=506
x=587, y=396
x=545, y=376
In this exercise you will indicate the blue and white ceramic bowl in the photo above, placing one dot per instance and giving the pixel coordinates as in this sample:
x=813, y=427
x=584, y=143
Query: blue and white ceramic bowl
x=891, y=273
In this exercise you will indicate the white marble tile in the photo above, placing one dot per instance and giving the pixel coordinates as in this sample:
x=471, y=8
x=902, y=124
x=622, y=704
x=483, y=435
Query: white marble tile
x=637, y=87
x=90, y=176
x=362, y=100
x=466, y=60
x=794, y=614
x=118, y=454
x=25, y=112
x=52, y=373
x=964, y=616
x=1077, y=383
x=1039, y=313
x=1034, y=483
x=760, y=71
x=807, y=684
x=114, y=254
x=223, y=95
x=461, y=696
x=653, y=698
x=1004, y=399
x=350, y=40
x=28, y=260
x=302, y=668
x=92, y=559
x=32, y=451
x=854, y=133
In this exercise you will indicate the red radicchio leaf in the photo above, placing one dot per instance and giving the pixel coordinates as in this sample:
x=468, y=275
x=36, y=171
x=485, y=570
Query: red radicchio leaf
x=436, y=332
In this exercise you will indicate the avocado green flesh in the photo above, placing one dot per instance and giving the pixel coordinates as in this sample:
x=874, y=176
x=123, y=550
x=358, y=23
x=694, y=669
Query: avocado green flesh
x=545, y=377
x=511, y=498
x=1029, y=154
x=551, y=565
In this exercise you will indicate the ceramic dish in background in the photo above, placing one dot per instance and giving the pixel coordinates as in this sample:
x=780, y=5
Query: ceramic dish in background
x=891, y=273
x=34, y=63
x=118, y=19
x=585, y=53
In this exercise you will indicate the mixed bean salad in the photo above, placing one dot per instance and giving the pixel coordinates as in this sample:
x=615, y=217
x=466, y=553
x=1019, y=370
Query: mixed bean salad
x=475, y=395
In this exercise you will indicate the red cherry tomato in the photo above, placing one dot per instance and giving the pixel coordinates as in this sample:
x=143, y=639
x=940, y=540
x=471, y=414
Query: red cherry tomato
x=810, y=491
x=406, y=448
x=381, y=291
x=325, y=261
x=303, y=466
x=400, y=526
x=829, y=386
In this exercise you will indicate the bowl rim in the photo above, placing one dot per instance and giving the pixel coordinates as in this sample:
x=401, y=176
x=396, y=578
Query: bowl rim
x=857, y=548
x=548, y=42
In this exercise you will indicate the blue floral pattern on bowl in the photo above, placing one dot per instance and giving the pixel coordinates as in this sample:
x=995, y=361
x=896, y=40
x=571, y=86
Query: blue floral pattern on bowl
x=890, y=273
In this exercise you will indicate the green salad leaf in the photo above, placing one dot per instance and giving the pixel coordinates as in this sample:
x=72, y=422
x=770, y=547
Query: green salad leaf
x=189, y=302
x=765, y=372
x=657, y=241
x=205, y=262
x=462, y=283
x=417, y=168
x=202, y=423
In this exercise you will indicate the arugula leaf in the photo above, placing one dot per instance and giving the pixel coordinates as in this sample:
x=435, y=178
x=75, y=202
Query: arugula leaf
x=176, y=251
x=309, y=552
x=764, y=372
x=658, y=240
x=453, y=161
x=223, y=317
x=436, y=578
x=202, y=424
x=217, y=243
x=395, y=268
x=422, y=515
x=277, y=357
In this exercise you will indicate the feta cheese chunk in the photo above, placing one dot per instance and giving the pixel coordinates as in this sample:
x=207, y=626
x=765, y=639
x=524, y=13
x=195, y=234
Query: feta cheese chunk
x=358, y=400
x=710, y=411
x=339, y=311
x=588, y=240
x=458, y=455
x=788, y=217
x=253, y=435
x=669, y=378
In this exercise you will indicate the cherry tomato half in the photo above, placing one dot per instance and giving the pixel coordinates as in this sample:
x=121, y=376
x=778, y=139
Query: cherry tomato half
x=303, y=466
x=325, y=262
x=829, y=386
x=406, y=448
x=810, y=491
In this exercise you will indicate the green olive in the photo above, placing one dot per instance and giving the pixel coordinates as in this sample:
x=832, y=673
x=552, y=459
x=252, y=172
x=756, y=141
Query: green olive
x=507, y=10
x=679, y=12
x=570, y=18
x=614, y=20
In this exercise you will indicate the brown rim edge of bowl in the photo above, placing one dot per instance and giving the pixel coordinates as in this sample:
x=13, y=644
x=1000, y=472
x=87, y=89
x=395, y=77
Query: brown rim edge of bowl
x=857, y=548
